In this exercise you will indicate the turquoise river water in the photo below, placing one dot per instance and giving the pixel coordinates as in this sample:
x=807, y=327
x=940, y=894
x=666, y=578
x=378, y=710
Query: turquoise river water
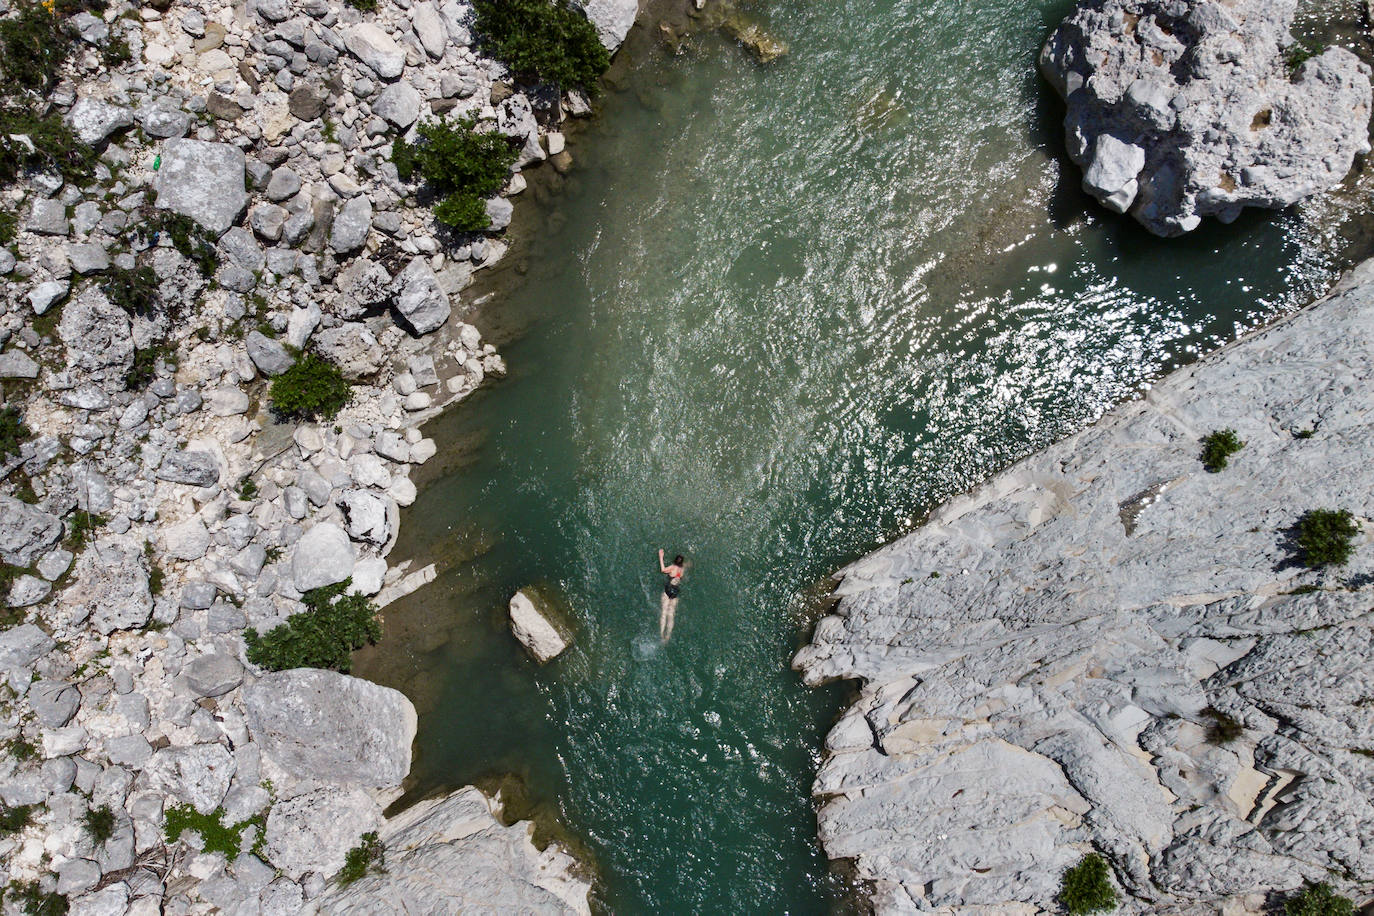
x=772, y=316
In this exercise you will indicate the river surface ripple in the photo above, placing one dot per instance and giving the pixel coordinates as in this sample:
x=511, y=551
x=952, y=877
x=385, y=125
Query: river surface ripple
x=774, y=315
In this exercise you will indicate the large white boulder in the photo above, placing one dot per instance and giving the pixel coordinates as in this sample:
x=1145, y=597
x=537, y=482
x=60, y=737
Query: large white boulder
x=203, y=181
x=323, y=556
x=532, y=626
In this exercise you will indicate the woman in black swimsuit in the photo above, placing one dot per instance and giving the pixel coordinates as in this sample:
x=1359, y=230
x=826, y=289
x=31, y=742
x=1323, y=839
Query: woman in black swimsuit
x=675, y=572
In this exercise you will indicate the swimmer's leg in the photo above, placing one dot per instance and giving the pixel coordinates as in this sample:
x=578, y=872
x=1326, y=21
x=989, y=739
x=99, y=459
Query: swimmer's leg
x=664, y=616
x=671, y=611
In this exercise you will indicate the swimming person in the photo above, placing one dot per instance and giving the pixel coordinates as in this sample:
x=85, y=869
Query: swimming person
x=668, y=603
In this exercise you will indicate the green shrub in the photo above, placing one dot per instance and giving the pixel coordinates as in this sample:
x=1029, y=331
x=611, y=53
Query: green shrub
x=80, y=527
x=116, y=51
x=13, y=432
x=1218, y=446
x=143, y=369
x=1317, y=900
x=361, y=859
x=1326, y=537
x=22, y=750
x=33, y=47
x=322, y=636
x=50, y=145
x=462, y=166
x=9, y=225
x=33, y=900
x=542, y=41
x=1221, y=728
x=1087, y=887
x=248, y=488
x=135, y=291
x=215, y=835
x=1299, y=53
x=367, y=6
x=99, y=823
x=13, y=820
x=312, y=388
x=187, y=236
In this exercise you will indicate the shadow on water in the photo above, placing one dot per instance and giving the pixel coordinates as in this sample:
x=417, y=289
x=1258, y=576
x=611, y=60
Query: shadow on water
x=772, y=316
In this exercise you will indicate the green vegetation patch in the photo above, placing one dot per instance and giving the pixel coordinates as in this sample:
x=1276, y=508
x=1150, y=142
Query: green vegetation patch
x=369, y=855
x=313, y=388
x=542, y=41
x=1220, y=445
x=1088, y=887
x=30, y=897
x=462, y=166
x=99, y=823
x=1221, y=728
x=215, y=835
x=31, y=143
x=13, y=820
x=143, y=369
x=13, y=432
x=187, y=236
x=1318, y=900
x=135, y=291
x=322, y=636
x=1326, y=537
x=80, y=526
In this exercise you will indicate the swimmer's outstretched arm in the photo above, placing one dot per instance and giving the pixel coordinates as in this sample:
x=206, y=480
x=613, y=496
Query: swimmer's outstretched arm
x=661, y=567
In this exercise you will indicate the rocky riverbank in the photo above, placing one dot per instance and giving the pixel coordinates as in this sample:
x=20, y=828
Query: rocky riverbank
x=156, y=509
x=1109, y=648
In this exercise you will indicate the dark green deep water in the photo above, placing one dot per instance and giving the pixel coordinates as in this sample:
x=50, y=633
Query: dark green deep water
x=771, y=318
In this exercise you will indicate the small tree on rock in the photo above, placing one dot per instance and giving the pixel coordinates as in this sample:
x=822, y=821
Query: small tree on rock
x=1088, y=887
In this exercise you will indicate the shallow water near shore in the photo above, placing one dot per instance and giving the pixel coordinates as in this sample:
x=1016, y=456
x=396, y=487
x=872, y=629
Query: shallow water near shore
x=773, y=316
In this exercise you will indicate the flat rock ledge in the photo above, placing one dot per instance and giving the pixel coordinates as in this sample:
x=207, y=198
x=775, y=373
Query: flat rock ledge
x=1045, y=662
x=452, y=855
x=1179, y=109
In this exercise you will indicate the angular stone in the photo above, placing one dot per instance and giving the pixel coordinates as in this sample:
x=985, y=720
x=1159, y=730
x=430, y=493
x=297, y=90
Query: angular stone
x=420, y=298
x=45, y=295
x=307, y=103
x=204, y=181
x=531, y=624
x=351, y=225
x=214, y=675
x=194, y=468
x=612, y=18
x=97, y=336
x=92, y=119
x=25, y=531
x=21, y=646
x=398, y=103
x=28, y=591
x=270, y=356
x=368, y=516
x=54, y=702
x=323, y=556
x=331, y=727
x=375, y=48
x=111, y=587
x=14, y=364
x=198, y=775
x=186, y=540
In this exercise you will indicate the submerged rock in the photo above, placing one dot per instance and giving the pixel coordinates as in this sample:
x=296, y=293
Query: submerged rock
x=1177, y=111
x=530, y=621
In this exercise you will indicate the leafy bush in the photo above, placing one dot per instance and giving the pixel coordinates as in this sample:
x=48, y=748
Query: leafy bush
x=543, y=41
x=80, y=527
x=361, y=859
x=33, y=47
x=1218, y=446
x=322, y=636
x=29, y=142
x=143, y=369
x=462, y=166
x=1221, y=729
x=99, y=823
x=33, y=900
x=248, y=488
x=1087, y=887
x=135, y=291
x=312, y=388
x=1318, y=900
x=13, y=820
x=215, y=835
x=366, y=6
x=1299, y=53
x=13, y=432
x=1326, y=537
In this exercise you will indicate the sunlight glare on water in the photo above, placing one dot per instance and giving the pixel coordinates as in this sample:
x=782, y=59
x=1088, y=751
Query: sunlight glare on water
x=775, y=315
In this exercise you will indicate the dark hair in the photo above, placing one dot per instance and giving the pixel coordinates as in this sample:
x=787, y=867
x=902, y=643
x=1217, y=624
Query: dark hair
x=677, y=560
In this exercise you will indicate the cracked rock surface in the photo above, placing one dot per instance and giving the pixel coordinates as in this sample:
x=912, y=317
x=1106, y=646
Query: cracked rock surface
x=1048, y=662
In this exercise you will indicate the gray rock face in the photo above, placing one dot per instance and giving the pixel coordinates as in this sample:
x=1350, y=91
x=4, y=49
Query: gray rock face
x=1092, y=604
x=331, y=727
x=214, y=675
x=203, y=181
x=97, y=336
x=198, y=775
x=452, y=855
x=353, y=348
x=269, y=355
x=351, y=225
x=374, y=47
x=533, y=628
x=420, y=298
x=21, y=646
x=323, y=556
x=612, y=19
x=398, y=103
x=1177, y=111
x=14, y=364
x=196, y=468
x=314, y=831
x=25, y=531
x=111, y=586
x=92, y=120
